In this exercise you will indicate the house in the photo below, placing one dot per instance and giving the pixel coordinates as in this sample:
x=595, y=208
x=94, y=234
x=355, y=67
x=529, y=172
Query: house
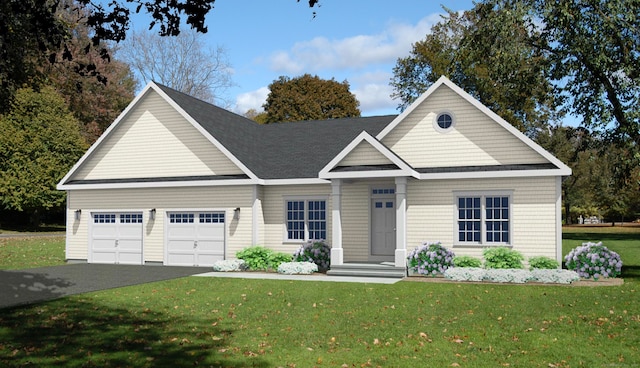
x=177, y=181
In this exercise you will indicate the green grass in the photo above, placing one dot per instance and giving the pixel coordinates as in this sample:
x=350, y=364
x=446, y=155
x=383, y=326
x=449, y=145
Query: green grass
x=41, y=251
x=264, y=323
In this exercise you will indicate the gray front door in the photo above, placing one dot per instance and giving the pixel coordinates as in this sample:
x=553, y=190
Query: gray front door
x=383, y=226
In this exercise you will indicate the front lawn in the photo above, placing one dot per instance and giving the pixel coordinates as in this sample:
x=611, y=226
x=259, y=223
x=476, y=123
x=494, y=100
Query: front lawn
x=31, y=252
x=221, y=322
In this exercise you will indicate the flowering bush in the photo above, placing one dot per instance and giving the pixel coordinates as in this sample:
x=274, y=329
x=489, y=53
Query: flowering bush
x=541, y=262
x=511, y=275
x=430, y=259
x=314, y=251
x=228, y=265
x=502, y=257
x=464, y=274
x=594, y=260
x=297, y=268
x=555, y=276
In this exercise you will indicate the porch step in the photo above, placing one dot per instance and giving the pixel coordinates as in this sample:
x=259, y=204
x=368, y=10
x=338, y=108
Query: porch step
x=367, y=270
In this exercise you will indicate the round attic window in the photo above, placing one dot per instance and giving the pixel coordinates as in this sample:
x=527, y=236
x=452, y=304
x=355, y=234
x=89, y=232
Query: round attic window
x=444, y=122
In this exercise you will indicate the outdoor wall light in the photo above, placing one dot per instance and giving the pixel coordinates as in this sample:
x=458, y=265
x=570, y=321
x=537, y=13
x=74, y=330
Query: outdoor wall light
x=152, y=214
x=78, y=213
x=236, y=213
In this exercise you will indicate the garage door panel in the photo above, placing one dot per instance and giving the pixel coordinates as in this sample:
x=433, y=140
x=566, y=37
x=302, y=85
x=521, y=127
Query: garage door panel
x=104, y=257
x=116, y=238
x=195, y=238
x=181, y=259
x=134, y=258
x=207, y=260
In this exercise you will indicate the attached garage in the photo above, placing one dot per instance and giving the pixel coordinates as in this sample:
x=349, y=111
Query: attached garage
x=195, y=238
x=116, y=238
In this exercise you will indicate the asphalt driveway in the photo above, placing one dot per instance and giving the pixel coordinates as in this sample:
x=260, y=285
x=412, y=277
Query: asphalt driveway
x=19, y=287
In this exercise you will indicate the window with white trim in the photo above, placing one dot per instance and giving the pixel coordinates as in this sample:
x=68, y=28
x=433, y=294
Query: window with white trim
x=484, y=219
x=305, y=219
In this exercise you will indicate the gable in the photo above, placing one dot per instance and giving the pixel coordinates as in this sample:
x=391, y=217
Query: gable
x=153, y=140
x=476, y=138
x=364, y=154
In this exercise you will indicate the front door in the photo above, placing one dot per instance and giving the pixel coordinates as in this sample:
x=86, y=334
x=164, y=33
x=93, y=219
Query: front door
x=383, y=226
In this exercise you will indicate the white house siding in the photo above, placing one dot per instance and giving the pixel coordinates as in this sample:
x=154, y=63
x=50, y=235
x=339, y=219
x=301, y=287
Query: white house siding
x=154, y=140
x=274, y=217
x=364, y=154
x=238, y=232
x=432, y=209
x=475, y=139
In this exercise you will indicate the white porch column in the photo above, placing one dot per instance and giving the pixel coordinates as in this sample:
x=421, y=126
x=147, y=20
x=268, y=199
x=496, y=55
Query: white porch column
x=337, y=255
x=401, y=222
x=255, y=212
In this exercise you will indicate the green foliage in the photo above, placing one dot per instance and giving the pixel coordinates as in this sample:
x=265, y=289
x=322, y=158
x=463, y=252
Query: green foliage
x=466, y=261
x=277, y=258
x=309, y=98
x=487, y=51
x=40, y=141
x=544, y=263
x=258, y=258
x=502, y=257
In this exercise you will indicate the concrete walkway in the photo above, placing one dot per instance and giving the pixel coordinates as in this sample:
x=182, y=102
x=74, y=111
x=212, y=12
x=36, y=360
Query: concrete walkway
x=314, y=277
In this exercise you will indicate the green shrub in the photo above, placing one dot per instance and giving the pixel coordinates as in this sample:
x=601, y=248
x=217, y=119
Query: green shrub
x=502, y=257
x=256, y=258
x=467, y=261
x=543, y=263
x=277, y=258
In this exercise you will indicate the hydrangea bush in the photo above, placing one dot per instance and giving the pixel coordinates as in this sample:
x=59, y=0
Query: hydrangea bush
x=594, y=260
x=430, y=259
x=314, y=251
x=297, y=268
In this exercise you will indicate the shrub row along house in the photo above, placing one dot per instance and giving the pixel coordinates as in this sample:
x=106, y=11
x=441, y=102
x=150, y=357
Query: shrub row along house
x=177, y=181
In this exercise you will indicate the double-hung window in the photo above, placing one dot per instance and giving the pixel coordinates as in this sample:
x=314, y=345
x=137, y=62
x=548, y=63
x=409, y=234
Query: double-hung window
x=305, y=219
x=483, y=219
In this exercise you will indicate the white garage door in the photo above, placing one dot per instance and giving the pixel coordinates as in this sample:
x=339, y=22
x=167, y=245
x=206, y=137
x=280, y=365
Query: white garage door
x=116, y=238
x=195, y=238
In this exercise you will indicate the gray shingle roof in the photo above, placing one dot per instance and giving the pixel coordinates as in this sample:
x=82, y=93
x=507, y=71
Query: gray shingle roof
x=278, y=151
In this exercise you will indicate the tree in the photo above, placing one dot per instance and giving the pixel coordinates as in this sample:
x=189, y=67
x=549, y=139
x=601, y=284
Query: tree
x=31, y=33
x=258, y=117
x=309, y=98
x=96, y=105
x=183, y=63
x=40, y=141
x=594, y=50
x=487, y=51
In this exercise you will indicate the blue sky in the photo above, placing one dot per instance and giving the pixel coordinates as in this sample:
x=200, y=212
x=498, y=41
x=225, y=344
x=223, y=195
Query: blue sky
x=355, y=40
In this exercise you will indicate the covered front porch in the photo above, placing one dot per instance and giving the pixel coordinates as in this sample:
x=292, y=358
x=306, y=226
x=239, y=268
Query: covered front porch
x=382, y=220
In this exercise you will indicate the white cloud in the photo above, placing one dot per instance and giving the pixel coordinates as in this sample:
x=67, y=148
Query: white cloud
x=373, y=91
x=251, y=100
x=354, y=52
